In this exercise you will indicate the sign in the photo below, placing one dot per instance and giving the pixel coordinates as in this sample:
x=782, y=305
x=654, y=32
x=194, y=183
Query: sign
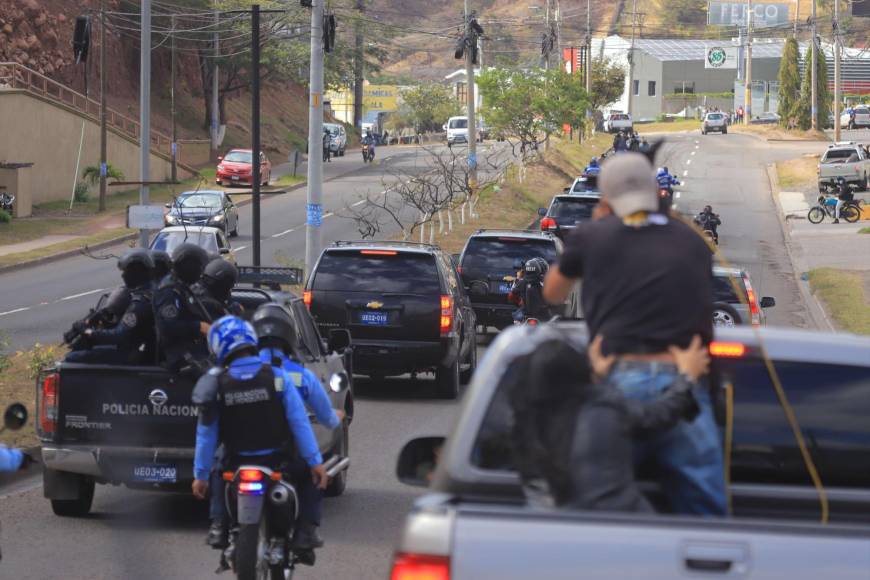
x=145, y=217
x=860, y=8
x=764, y=14
x=381, y=98
x=717, y=56
x=314, y=214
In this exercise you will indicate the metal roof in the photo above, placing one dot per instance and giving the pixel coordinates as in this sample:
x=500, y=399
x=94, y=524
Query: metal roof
x=682, y=49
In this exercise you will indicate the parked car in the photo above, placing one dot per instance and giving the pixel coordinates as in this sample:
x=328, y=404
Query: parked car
x=404, y=305
x=489, y=263
x=566, y=212
x=862, y=118
x=735, y=301
x=765, y=119
x=476, y=520
x=212, y=240
x=844, y=159
x=457, y=130
x=338, y=138
x=714, y=122
x=236, y=168
x=204, y=208
x=616, y=121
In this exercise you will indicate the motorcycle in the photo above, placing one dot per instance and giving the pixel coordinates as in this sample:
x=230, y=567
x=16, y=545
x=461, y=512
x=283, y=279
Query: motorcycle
x=6, y=202
x=368, y=153
x=708, y=230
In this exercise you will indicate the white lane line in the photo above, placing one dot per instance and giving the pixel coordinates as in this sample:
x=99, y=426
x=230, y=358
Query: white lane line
x=88, y=293
x=697, y=146
x=240, y=248
x=328, y=214
x=696, y=141
x=674, y=206
x=284, y=233
x=693, y=153
x=360, y=202
x=677, y=194
x=688, y=162
x=15, y=311
x=685, y=173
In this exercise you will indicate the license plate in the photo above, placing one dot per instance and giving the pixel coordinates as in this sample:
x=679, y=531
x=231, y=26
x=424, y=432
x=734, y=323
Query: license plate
x=373, y=318
x=234, y=177
x=504, y=288
x=155, y=473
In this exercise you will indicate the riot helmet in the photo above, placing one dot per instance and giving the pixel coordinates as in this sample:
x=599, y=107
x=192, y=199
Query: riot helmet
x=219, y=277
x=136, y=266
x=275, y=327
x=162, y=264
x=188, y=262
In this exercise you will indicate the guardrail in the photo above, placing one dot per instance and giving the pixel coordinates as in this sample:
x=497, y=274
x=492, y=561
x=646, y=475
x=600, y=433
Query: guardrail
x=18, y=76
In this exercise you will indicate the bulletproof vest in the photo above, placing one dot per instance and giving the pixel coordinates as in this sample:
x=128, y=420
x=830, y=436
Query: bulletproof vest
x=251, y=412
x=533, y=301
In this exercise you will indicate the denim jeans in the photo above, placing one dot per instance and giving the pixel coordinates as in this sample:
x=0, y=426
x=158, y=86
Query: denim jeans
x=689, y=456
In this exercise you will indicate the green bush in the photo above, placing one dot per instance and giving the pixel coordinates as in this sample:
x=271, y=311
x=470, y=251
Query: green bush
x=80, y=193
x=91, y=174
x=5, y=218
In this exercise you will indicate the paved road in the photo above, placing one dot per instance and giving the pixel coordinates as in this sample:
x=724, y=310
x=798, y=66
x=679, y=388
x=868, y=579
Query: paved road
x=144, y=535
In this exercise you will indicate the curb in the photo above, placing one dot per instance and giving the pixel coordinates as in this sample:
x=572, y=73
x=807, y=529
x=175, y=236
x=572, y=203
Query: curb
x=66, y=254
x=815, y=309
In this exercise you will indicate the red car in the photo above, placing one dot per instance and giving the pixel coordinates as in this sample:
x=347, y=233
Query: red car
x=235, y=167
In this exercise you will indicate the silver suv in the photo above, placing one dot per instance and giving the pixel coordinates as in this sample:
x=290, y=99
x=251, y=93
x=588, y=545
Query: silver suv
x=715, y=122
x=735, y=301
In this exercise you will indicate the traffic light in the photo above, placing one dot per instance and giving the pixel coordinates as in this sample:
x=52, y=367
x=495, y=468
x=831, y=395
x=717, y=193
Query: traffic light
x=306, y=3
x=81, y=38
x=459, y=53
x=328, y=32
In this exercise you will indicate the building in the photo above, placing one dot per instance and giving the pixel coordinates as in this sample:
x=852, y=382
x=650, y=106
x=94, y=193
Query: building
x=458, y=80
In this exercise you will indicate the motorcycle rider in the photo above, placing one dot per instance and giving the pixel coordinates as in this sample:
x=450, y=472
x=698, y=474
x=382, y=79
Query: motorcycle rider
x=132, y=339
x=182, y=320
x=215, y=287
x=267, y=426
x=666, y=180
x=527, y=291
x=707, y=220
x=369, y=141
x=844, y=194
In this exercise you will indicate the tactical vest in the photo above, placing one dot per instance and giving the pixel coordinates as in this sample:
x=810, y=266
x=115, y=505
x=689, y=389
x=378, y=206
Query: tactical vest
x=251, y=412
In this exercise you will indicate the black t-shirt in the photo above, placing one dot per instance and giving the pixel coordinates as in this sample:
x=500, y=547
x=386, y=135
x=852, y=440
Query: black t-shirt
x=644, y=288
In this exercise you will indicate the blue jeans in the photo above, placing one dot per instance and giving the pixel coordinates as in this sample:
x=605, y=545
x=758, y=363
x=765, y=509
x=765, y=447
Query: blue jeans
x=689, y=456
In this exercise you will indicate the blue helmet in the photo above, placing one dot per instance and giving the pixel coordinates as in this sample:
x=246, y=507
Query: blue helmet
x=593, y=162
x=230, y=334
x=662, y=171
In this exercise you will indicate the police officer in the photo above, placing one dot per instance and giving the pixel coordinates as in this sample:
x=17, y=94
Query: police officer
x=527, y=289
x=131, y=340
x=107, y=314
x=182, y=320
x=215, y=288
x=264, y=427
x=162, y=265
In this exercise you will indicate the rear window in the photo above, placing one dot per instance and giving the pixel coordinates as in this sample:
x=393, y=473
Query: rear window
x=168, y=241
x=724, y=290
x=573, y=208
x=402, y=272
x=485, y=253
x=715, y=116
x=619, y=118
x=839, y=154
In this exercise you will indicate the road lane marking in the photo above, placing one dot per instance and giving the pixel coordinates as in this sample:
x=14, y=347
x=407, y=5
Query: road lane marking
x=685, y=173
x=674, y=206
x=360, y=202
x=15, y=311
x=688, y=162
x=328, y=214
x=240, y=248
x=284, y=233
x=693, y=152
x=88, y=293
x=677, y=194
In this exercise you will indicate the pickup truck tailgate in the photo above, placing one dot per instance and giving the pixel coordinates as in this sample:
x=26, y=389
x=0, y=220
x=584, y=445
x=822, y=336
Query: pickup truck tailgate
x=118, y=406
x=590, y=546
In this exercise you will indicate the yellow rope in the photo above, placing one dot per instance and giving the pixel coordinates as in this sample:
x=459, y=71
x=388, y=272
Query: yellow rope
x=729, y=440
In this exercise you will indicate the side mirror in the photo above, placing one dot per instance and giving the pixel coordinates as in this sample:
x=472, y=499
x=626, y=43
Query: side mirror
x=338, y=382
x=418, y=460
x=224, y=251
x=444, y=127
x=15, y=416
x=768, y=302
x=542, y=211
x=339, y=339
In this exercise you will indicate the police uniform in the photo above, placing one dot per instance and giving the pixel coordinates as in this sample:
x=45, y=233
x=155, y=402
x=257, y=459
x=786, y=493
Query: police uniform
x=178, y=314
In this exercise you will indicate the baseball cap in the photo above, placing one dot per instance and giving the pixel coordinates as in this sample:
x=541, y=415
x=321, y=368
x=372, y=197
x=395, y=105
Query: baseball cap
x=627, y=182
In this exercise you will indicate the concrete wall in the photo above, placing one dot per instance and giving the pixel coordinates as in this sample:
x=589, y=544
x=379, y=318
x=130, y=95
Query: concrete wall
x=646, y=70
x=47, y=135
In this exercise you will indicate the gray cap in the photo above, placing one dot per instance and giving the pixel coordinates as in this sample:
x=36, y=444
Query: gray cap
x=628, y=183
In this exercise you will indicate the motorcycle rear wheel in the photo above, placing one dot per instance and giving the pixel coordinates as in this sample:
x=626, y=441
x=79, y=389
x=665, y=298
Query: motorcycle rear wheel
x=251, y=545
x=850, y=213
x=816, y=215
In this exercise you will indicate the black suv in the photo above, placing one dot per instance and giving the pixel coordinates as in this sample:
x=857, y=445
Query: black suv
x=489, y=264
x=567, y=211
x=404, y=305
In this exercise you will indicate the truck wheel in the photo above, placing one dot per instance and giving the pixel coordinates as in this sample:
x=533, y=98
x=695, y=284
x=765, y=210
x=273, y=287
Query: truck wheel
x=81, y=505
x=447, y=379
x=338, y=483
x=465, y=376
x=725, y=315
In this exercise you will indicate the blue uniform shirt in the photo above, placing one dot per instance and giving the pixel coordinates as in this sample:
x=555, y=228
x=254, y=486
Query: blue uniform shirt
x=667, y=180
x=207, y=434
x=308, y=385
x=10, y=459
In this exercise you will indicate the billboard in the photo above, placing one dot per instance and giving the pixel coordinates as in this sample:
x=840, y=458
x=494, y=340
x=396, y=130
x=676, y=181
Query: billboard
x=719, y=56
x=734, y=13
x=381, y=98
x=861, y=8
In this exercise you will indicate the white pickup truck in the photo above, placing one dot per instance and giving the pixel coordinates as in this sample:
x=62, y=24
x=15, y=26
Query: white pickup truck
x=847, y=160
x=476, y=524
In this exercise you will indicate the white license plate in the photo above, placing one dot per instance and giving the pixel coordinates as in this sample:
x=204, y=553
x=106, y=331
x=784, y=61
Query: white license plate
x=155, y=473
x=234, y=177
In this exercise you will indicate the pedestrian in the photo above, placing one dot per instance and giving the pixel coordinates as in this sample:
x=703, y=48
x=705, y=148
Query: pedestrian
x=647, y=287
x=327, y=142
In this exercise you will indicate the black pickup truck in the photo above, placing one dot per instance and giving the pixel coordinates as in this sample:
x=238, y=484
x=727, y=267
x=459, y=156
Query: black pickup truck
x=136, y=425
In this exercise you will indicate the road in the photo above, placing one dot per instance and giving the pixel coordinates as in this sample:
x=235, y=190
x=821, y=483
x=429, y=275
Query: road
x=137, y=535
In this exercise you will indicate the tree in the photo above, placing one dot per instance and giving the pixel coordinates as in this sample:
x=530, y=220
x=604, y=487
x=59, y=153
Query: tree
x=91, y=174
x=608, y=83
x=789, y=81
x=684, y=11
x=428, y=106
x=823, y=96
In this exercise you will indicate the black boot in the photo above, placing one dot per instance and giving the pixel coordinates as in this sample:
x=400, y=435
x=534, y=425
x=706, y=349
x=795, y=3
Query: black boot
x=218, y=535
x=306, y=537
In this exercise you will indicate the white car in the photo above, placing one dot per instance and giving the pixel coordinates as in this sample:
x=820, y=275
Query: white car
x=714, y=122
x=615, y=121
x=212, y=240
x=862, y=118
x=457, y=130
x=338, y=138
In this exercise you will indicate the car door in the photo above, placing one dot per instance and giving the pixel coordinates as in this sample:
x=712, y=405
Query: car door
x=231, y=214
x=464, y=311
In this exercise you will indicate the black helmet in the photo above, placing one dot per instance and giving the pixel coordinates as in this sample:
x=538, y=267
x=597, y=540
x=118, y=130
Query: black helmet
x=136, y=266
x=162, y=264
x=275, y=325
x=708, y=209
x=188, y=262
x=535, y=267
x=219, y=278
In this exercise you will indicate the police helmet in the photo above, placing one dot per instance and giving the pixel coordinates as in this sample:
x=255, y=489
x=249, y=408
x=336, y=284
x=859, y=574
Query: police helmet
x=219, y=277
x=188, y=262
x=593, y=162
x=274, y=324
x=162, y=264
x=136, y=266
x=229, y=335
x=708, y=209
x=534, y=269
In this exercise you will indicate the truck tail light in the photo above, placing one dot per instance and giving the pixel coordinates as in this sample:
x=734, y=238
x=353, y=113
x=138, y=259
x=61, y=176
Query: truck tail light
x=446, y=324
x=48, y=404
x=548, y=223
x=306, y=298
x=420, y=567
x=727, y=349
x=754, y=310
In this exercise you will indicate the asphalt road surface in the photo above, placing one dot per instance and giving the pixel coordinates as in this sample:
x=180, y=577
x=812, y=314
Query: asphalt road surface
x=138, y=535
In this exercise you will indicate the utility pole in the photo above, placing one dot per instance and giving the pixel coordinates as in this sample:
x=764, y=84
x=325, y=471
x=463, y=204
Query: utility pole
x=215, y=87
x=103, y=136
x=358, y=68
x=588, y=71
x=313, y=233
x=814, y=95
x=255, y=131
x=145, y=112
x=837, y=57
x=747, y=88
x=174, y=147
x=797, y=16
x=631, y=57
x=559, y=32
x=470, y=43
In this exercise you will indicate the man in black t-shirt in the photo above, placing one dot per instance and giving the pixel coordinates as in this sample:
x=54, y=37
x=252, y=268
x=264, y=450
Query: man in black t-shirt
x=647, y=285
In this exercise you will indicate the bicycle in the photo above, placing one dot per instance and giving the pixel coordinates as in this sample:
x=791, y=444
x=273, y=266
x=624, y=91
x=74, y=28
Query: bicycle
x=827, y=205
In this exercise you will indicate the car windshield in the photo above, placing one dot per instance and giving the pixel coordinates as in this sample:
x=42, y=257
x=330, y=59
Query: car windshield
x=380, y=271
x=500, y=254
x=331, y=129
x=209, y=201
x=168, y=241
x=458, y=124
x=715, y=116
x=238, y=157
x=573, y=208
x=724, y=289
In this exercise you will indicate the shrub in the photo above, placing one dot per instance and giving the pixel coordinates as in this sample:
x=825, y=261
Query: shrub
x=41, y=357
x=91, y=174
x=80, y=193
x=5, y=218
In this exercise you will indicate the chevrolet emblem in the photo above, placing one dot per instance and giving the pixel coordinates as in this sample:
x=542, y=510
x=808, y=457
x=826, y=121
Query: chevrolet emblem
x=374, y=304
x=508, y=278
